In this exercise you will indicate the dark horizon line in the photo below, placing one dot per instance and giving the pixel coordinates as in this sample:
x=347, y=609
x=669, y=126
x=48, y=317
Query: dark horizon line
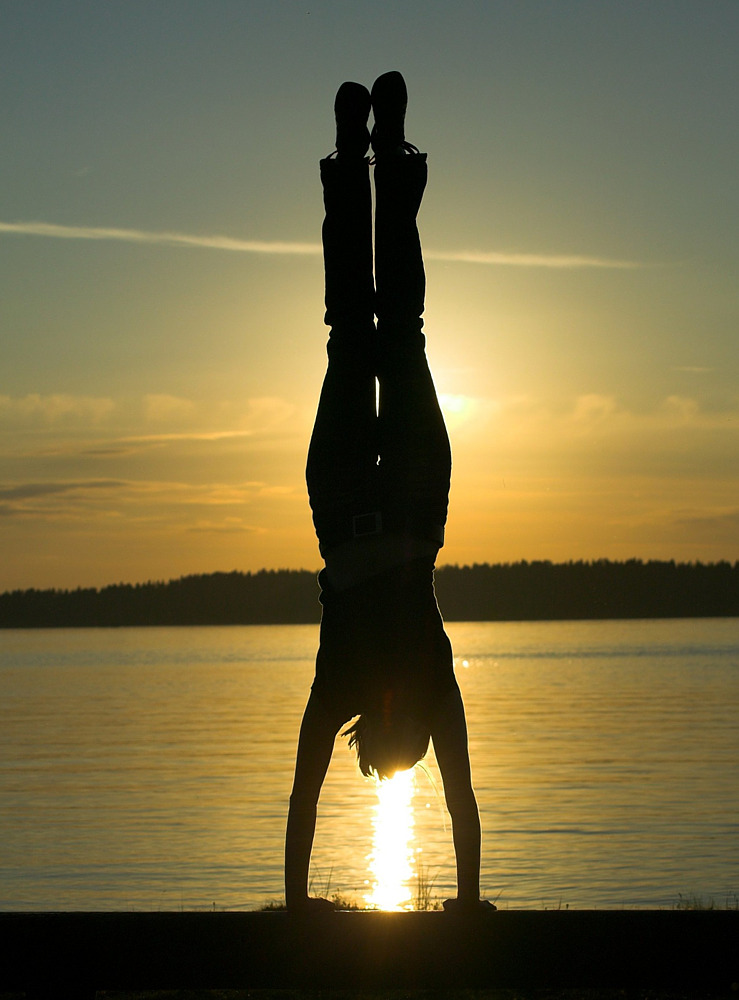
x=523, y=591
x=264, y=571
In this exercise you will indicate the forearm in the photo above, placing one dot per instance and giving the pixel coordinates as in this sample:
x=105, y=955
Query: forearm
x=301, y=827
x=466, y=836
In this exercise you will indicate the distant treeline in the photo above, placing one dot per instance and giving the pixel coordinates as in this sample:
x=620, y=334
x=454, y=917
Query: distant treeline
x=507, y=592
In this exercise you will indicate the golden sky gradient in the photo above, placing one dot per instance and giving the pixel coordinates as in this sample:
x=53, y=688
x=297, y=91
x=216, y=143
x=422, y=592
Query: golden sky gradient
x=161, y=280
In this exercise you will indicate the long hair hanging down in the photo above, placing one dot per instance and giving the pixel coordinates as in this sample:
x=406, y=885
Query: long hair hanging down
x=385, y=745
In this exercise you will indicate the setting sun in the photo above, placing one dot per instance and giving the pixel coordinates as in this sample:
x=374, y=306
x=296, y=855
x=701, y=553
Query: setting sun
x=391, y=859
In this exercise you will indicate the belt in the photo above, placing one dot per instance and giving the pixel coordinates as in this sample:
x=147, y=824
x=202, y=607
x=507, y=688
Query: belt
x=378, y=522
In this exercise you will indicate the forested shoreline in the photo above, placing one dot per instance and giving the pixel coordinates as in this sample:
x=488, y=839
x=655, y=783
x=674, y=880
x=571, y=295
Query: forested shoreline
x=483, y=592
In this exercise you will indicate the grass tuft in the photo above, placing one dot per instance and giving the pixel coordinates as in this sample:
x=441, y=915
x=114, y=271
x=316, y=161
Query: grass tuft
x=423, y=899
x=694, y=902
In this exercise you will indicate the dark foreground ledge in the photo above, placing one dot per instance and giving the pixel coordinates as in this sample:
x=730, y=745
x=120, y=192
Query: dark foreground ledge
x=44, y=953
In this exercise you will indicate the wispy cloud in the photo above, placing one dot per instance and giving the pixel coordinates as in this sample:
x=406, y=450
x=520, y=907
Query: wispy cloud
x=152, y=420
x=31, y=491
x=52, y=499
x=496, y=258
x=55, y=408
x=162, y=406
x=229, y=526
x=54, y=231
x=197, y=506
x=528, y=259
x=728, y=518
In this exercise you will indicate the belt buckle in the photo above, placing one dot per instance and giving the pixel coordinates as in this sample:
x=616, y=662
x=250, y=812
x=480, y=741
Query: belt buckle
x=364, y=525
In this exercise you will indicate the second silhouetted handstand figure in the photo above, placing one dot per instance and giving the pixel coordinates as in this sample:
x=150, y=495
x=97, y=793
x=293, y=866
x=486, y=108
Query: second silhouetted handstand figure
x=378, y=478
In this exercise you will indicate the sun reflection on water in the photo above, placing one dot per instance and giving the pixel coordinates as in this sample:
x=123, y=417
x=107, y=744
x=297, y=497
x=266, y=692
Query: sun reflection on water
x=391, y=860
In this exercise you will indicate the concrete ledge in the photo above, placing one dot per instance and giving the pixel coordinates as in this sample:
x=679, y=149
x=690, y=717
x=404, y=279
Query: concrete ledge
x=57, y=952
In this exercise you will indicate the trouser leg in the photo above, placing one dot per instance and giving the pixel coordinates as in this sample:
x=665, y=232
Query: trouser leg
x=415, y=464
x=347, y=247
x=341, y=470
x=401, y=282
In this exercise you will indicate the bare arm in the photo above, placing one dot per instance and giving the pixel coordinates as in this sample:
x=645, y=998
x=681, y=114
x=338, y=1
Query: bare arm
x=315, y=745
x=449, y=733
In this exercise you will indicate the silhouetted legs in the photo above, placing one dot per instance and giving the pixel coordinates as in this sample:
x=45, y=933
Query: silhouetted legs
x=396, y=461
x=342, y=457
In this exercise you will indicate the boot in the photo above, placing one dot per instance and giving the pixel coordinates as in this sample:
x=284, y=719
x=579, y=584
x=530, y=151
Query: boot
x=347, y=227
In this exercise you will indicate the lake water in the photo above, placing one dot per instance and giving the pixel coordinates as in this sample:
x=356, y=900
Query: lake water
x=150, y=769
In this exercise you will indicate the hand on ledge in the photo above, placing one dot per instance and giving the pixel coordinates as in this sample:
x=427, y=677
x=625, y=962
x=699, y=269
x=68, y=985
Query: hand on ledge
x=465, y=907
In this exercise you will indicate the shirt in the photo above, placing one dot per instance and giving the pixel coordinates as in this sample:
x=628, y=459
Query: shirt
x=383, y=639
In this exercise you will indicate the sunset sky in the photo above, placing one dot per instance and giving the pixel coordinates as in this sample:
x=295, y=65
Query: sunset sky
x=161, y=282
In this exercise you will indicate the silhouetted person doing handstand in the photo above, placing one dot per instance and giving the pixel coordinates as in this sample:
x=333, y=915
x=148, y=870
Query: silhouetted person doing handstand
x=378, y=478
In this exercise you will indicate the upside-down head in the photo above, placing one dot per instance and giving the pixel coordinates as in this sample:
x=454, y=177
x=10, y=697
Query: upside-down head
x=388, y=740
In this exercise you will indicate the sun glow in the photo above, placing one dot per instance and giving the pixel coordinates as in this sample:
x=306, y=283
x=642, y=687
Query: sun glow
x=391, y=861
x=457, y=410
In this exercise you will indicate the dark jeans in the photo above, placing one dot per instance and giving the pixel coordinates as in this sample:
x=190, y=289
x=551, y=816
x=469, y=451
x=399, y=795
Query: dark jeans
x=373, y=467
